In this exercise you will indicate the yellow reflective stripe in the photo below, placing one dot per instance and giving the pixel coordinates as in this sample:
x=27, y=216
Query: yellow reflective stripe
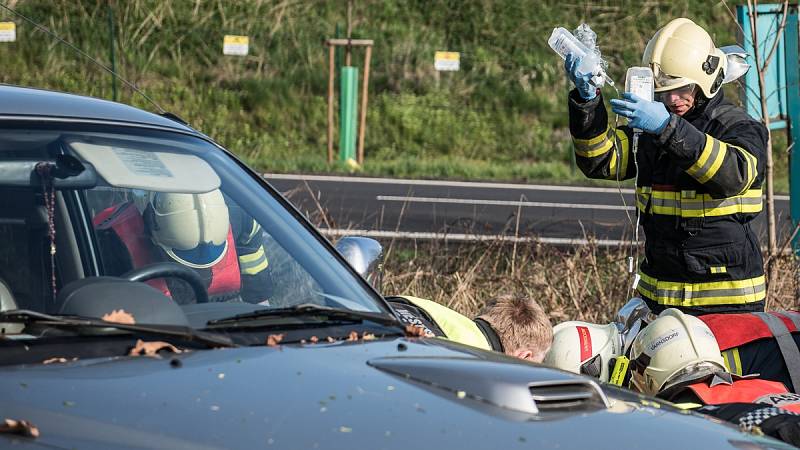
x=719, y=269
x=255, y=256
x=685, y=204
x=594, y=147
x=737, y=361
x=253, y=231
x=752, y=166
x=612, y=166
x=732, y=360
x=256, y=269
x=593, y=141
x=594, y=151
x=710, y=160
x=687, y=405
x=702, y=294
x=698, y=165
x=253, y=263
x=642, y=197
x=623, y=148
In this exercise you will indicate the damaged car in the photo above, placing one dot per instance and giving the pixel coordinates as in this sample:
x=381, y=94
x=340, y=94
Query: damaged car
x=157, y=293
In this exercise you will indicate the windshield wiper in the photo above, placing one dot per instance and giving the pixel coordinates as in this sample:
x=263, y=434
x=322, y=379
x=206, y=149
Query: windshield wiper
x=308, y=310
x=190, y=334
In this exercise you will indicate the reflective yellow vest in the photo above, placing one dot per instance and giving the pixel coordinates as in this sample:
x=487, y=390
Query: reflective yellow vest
x=457, y=327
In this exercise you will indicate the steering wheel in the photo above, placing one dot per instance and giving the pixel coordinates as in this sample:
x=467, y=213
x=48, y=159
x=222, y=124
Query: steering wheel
x=167, y=270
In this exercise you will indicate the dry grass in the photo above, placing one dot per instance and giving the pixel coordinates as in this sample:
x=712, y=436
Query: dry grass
x=586, y=282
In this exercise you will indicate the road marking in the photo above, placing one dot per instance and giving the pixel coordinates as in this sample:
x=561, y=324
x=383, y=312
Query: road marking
x=470, y=184
x=470, y=201
x=460, y=237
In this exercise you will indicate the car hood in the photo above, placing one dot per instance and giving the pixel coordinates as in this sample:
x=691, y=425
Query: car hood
x=376, y=394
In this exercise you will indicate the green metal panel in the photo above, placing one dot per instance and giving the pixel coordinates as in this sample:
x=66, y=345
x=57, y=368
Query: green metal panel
x=347, y=113
x=793, y=103
x=768, y=23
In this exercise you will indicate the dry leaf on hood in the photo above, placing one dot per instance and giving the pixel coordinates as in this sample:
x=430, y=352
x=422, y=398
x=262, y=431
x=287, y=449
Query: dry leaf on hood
x=353, y=336
x=368, y=336
x=119, y=316
x=55, y=360
x=143, y=348
x=330, y=339
x=20, y=427
x=313, y=339
x=274, y=339
x=415, y=331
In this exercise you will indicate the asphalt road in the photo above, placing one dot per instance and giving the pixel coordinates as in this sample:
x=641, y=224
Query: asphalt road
x=471, y=211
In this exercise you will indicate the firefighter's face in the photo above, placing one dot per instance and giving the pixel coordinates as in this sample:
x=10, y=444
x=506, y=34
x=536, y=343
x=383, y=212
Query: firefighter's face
x=679, y=100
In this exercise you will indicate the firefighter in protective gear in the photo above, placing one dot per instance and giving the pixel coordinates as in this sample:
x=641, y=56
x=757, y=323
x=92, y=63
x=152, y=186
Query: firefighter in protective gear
x=677, y=358
x=700, y=168
x=221, y=243
x=515, y=326
x=673, y=349
x=191, y=228
x=585, y=348
x=765, y=343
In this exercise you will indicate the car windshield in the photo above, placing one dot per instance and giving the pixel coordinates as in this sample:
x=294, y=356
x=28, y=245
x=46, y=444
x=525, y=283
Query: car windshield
x=159, y=197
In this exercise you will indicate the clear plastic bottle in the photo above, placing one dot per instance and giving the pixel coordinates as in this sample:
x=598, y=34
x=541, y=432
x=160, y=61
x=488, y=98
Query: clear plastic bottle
x=563, y=42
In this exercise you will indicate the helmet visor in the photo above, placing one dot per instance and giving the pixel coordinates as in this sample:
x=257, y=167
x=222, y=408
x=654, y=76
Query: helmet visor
x=665, y=82
x=683, y=92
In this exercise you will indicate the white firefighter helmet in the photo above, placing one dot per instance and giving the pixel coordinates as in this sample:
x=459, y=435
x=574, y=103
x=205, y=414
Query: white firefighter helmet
x=674, y=349
x=682, y=53
x=191, y=228
x=584, y=348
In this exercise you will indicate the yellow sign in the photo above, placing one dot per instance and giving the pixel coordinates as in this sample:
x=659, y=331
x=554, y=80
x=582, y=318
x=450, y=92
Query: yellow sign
x=235, y=45
x=8, y=32
x=446, y=61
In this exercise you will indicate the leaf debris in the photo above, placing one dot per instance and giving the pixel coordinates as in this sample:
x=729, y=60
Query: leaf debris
x=20, y=427
x=415, y=331
x=143, y=348
x=119, y=316
x=274, y=339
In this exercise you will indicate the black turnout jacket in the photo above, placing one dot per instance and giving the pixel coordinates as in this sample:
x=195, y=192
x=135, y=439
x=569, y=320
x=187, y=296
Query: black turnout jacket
x=698, y=188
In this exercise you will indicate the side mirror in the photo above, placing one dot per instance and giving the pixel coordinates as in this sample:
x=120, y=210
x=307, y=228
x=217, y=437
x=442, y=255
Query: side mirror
x=365, y=255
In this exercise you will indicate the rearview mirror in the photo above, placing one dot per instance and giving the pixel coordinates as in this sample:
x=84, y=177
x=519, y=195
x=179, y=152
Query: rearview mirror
x=67, y=173
x=365, y=255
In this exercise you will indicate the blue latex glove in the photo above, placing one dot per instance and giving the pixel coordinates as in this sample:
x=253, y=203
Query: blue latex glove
x=644, y=115
x=582, y=81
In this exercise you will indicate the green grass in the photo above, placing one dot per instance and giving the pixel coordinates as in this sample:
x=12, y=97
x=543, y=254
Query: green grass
x=502, y=116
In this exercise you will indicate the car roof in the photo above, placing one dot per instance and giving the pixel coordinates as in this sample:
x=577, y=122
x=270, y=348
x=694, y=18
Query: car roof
x=25, y=102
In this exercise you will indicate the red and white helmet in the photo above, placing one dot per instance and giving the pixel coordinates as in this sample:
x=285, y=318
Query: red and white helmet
x=584, y=348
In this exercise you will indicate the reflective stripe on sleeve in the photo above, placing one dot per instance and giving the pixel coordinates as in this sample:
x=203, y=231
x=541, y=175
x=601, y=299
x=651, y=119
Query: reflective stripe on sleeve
x=253, y=263
x=622, y=149
x=674, y=293
x=732, y=361
x=671, y=203
x=752, y=166
x=709, y=161
x=596, y=146
x=254, y=230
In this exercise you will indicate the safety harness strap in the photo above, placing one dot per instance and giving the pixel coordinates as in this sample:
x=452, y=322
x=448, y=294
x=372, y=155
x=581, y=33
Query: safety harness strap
x=793, y=316
x=789, y=351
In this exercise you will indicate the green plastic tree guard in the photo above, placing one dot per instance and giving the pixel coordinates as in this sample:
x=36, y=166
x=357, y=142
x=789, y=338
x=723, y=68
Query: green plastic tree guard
x=347, y=113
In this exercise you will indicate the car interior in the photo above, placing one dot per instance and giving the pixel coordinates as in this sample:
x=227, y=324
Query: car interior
x=58, y=192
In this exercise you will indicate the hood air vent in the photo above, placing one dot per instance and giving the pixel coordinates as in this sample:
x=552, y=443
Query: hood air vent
x=575, y=395
x=513, y=386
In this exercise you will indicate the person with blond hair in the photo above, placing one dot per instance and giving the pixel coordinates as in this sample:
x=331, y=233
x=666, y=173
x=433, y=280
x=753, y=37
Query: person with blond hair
x=514, y=325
